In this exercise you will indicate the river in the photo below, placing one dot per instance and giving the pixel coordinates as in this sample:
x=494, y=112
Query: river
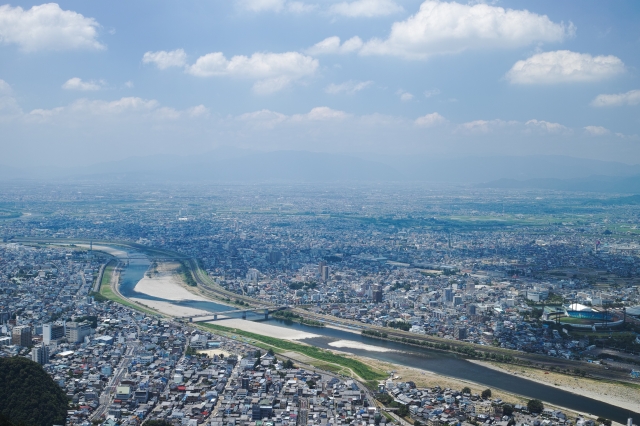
x=443, y=363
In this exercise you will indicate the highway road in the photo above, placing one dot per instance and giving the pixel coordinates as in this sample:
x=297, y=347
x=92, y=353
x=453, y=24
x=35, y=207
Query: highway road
x=109, y=392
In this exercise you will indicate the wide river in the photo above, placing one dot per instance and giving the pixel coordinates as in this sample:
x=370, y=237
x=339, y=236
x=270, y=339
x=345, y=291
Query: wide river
x=438, y=362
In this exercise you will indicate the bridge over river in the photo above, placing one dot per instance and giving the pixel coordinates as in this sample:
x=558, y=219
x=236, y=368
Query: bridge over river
x=261, y=314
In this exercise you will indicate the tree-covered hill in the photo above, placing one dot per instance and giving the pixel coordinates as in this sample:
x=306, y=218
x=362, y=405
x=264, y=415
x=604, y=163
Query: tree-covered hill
x=28, y=396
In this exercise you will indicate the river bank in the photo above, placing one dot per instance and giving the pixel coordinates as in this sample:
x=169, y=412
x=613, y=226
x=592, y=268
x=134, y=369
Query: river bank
x=626, y=396
x=164, y=286
x=424, y=378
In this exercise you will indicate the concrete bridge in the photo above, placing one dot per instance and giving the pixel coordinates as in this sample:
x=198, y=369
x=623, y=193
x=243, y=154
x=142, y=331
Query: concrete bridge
x=215, y=316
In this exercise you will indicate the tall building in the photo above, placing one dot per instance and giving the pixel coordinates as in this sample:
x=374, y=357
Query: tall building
x=321, y=265
x=274, y=257
x=252, y=275
x=448, y=295
x=40, y=354
x=325, y=273
x=471, y=309
x=21, y=336
x=52, y=332
x=377, y=294
x=77, y=331
x=460, y=333
x=457, y=300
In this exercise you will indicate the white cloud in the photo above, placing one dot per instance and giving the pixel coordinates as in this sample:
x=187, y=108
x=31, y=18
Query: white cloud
x=263, y=118
x=271, y=85
x=564, y=66
x=366, y=8
x=198, y=111
x=431, y=93
x=5, y=88
x=123, y=108
x=300, y=7
x=164, y=59
x=404, y=96
x=274, y=71
x=129, y=84
x=485, y=126
x=100, y=107
x=632, y=97
x=430, y=120
x=8, y=105
x=269, y=119
x=450, y=27
x=261, y=5
x=349, y=87
x=596, y=130
x=546, y=126
x=76, y=83
x=275, y=6
x=320, y=114
x=331, y=45
x=47, y=27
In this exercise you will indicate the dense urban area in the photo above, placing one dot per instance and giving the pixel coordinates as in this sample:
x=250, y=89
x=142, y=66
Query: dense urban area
x=545, y=274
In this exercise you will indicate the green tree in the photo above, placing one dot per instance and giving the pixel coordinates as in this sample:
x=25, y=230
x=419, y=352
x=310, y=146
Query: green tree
x=403, y=410
x=466, y=389
x=507, y=409
x=28, y=395
x=603, y=421
x=535, y=406
x=486, y=394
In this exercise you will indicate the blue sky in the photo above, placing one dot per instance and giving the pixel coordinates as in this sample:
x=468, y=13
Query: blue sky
x=85, y=82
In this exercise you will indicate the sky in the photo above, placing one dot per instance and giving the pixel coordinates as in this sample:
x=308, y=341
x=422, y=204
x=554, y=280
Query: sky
x=88, y=82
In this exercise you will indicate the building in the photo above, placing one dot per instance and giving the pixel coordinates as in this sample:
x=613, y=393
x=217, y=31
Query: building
x=448, y=295
x=77, y=331
x=460, y=333
x=274, y=257
x=471, y=309
x=252, y=275
x=51, y=332
x=325, y=273
x=21, y=336
x=321, y=265
x=377, y=294
x=457, y=300
x=40, y=354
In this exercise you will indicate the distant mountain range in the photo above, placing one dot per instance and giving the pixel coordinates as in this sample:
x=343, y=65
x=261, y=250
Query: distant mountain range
x=608, y=184
x=236, y=165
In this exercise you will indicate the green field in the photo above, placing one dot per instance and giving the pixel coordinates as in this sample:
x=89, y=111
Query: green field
x=362, y=370
x=570, y=320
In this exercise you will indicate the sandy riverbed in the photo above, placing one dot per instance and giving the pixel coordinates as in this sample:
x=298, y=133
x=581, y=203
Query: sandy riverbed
x=357, y=345
x=619, y=395
x=166, y=284
x=265, y=329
